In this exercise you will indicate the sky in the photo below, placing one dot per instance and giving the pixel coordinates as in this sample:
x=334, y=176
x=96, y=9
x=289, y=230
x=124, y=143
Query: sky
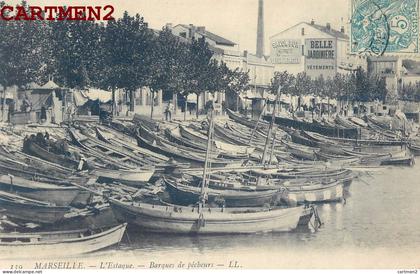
x=235, y=20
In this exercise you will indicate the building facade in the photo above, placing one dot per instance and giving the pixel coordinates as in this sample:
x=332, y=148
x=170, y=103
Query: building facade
x=314, y=49
x=389, y=67
x=260, y=70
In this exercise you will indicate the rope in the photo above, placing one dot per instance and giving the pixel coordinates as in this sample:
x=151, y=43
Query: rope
x=317, y=219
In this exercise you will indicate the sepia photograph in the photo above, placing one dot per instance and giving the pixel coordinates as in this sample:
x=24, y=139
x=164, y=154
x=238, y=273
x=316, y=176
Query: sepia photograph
x=209, y=135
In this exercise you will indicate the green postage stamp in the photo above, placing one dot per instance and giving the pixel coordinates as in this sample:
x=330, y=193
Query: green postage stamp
x=384, y=26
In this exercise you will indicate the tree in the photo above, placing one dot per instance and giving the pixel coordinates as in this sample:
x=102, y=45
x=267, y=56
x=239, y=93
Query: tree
x=23, y=46
x=201, y=68
x=283, y=79
x=76, y=53
x=169, y=67
x=124, y=43
x=302, y=84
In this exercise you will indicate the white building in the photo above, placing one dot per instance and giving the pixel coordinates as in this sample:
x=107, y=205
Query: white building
x=314, y=49
x=260, y=69
x=224, y=49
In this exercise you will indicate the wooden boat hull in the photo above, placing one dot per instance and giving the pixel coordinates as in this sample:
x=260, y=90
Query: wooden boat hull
x=188, y=195
x=187, y=220
x=414, y=149
x=147, y=140
x=321, y=194
x=54, y=247
x=129, y=177
x=82, y=199
x=58, y=195
x=36, y=150
x=32, y=212
x=398, y=161
x=246, y=121
x=234, y=150
x=313, y=127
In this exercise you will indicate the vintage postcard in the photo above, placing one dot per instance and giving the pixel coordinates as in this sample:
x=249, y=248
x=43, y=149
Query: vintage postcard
x=209, y=135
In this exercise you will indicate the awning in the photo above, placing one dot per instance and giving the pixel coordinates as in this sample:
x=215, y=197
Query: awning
x=192, y=98
x=97, y=94
x=50, y=85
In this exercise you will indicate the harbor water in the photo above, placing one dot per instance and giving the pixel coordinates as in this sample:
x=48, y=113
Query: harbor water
x=377, y=226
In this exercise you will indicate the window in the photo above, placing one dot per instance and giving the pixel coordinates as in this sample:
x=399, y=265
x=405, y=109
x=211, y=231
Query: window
x=183, y=34
x=303, y=31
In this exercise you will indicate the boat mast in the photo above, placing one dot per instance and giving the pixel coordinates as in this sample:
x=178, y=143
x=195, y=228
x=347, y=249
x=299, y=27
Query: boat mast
x=207, y=163
x=256, y=124
x=270, y=129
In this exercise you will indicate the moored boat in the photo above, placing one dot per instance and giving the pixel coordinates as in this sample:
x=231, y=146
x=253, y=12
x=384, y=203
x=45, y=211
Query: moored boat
x=59, y=243
x=132, y=177
x=58, y=195
x=191, y=220
x=30, y=210
x=313, y=192
x=186, y=195
x=414, y=149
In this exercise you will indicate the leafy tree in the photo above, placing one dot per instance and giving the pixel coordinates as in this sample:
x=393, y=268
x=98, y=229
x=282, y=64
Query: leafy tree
x=168, y=68
x=123, y=54
x=76, y=53
x=237, y=82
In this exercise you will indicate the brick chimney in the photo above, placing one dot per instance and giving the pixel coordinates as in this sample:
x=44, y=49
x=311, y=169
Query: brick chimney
x=191, y=31
x=201, y=29
x=328, y=26
x=169, y=25
x=260, y=29
x=312, y=22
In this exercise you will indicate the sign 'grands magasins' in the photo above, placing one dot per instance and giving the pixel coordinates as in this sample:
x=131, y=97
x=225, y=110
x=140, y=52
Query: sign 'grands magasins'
x=320, y=57
x=59, y=13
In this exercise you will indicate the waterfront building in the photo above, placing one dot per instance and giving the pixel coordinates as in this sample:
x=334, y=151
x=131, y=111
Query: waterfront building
x=314, y=49
x=388, y=67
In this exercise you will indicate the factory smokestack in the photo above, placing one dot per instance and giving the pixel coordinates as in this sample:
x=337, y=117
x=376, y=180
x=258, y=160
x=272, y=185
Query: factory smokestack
x=260, y=29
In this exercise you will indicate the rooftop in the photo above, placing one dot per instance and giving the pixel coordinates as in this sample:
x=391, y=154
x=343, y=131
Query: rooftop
x=210, y=35
x=333, y=32
x=252, y=58
x=325, y=29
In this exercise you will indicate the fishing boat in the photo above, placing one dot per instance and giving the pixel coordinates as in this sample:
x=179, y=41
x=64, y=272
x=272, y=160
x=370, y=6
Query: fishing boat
x=357, y=121
x=127, y=143
x=399, y=161
x=133, y=177
x=106, y=151
x=313, y=192
x=31, y=210
x=57, y=195
x=32, y=148
x=298, y=138
x=414, y=149
x=149, y=140
x=203, y=220
x=55, y=244
x=228, y=148
x=246, y=121
x=313, y=127
x=337, y=158
x=173, y=135
x=193, y=220
x=300, y=151
x=184, y=194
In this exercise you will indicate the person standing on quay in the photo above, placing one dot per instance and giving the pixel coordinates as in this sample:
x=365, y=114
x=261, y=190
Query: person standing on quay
x=168, y=111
